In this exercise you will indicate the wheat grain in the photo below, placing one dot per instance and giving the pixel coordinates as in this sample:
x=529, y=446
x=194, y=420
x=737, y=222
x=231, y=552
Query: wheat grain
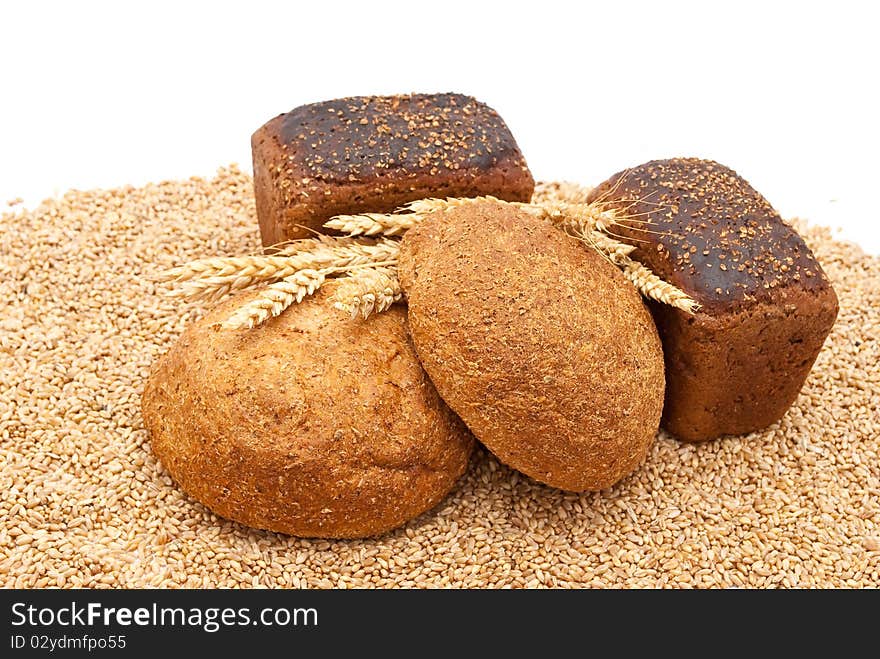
x=369, y=290
x=275, y=298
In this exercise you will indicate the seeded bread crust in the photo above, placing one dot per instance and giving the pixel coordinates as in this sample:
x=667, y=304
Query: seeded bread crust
x=375, y=153
x=541, y=346
x=310, y=425
x=767, y=306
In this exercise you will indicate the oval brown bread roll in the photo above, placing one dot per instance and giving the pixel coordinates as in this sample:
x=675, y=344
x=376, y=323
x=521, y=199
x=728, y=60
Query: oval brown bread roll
x=542, y=347
x=311, y=425
x=767, y=306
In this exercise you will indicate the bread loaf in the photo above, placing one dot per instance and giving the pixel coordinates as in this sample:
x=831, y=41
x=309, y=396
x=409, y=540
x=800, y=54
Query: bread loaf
x=310, y=425
x=375, y=153
x=767, y=306
x=540, y=345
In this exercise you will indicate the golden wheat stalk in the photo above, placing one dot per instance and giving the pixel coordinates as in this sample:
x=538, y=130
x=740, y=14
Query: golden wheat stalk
x=225, y=266
x=299, y=245
x=601, y=242
x=398, y=222
x=373, y=224
x=582, y=216
x=651, y=286
x=274, y=299
x=590, y=216
x=369, y=290
x=423, y=207
x=299, y=268
x=211, y=279
x=576, y=218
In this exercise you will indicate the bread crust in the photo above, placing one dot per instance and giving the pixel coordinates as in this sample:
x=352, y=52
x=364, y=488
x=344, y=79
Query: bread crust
x=376, y=153
x=542, y=347
x=311, y=424
x=767, y=306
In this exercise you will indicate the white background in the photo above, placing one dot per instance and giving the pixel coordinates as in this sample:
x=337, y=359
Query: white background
x=96, y=94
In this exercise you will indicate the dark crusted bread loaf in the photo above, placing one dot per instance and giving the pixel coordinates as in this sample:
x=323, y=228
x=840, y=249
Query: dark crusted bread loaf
x=375, y=153
x=739, y=363
x=311, y=424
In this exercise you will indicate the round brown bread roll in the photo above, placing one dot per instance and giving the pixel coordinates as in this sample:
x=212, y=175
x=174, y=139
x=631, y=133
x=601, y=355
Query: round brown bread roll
x=540, y=345
x=311, y=424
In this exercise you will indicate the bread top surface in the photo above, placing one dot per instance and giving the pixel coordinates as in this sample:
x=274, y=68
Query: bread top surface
x=710, y=232
x=316, y=387
x=539, y=344
x=505, y=284
x=365, y=137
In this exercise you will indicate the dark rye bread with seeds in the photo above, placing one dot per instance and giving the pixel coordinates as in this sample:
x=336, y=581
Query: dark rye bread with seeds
x=767, y=306
x=376, y=153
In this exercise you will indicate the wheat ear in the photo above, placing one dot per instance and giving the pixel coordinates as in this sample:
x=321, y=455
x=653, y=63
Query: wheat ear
x=582, y=216
x=650, y=285
x=300, y=267
x=274, y=299
x=373, y=224
x=371, y=289
x=425, y=206
x=398, y=222
x=577, y=218
x=210, y=279
x=617, y=252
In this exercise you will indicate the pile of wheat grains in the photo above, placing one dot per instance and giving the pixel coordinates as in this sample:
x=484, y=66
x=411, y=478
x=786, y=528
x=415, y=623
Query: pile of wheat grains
x=83, y=502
